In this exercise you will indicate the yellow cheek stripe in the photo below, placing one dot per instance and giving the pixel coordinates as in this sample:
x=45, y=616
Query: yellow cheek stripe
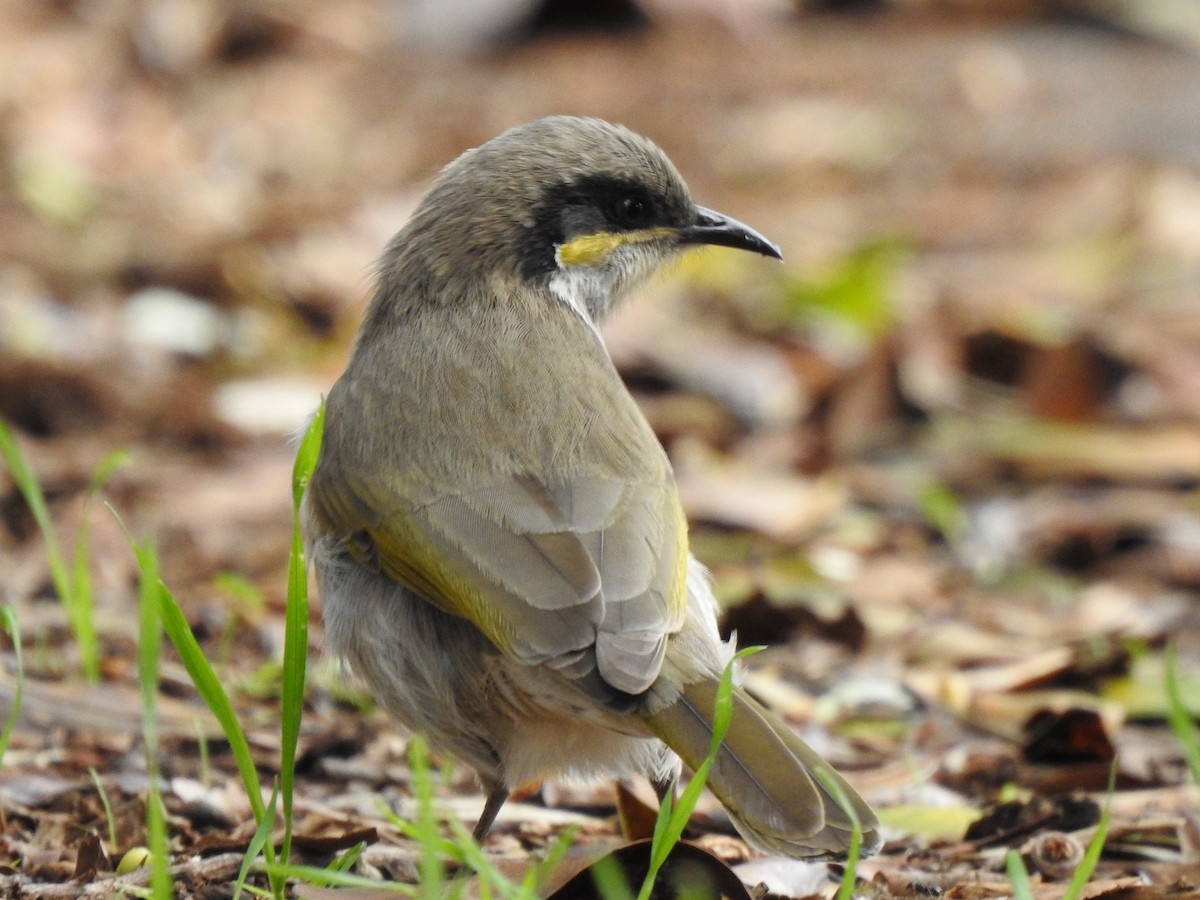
x=593, y=249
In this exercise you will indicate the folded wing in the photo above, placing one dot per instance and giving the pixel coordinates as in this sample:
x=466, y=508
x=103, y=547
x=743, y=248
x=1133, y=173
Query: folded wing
x=586, y=576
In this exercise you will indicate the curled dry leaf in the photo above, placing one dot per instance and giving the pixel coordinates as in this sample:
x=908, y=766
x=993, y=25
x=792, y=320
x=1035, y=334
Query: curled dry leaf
x=689, y=873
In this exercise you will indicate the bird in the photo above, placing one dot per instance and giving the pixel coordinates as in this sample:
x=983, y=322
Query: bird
x=499, y=544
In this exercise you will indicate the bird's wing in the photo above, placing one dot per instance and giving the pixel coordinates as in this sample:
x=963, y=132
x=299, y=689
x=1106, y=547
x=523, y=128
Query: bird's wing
x=586, y=576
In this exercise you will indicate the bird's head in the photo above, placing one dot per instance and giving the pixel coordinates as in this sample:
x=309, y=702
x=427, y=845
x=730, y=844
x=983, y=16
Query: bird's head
x=577, y=206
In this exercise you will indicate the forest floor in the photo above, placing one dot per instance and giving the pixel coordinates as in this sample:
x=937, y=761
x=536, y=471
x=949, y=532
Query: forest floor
x=945, y=462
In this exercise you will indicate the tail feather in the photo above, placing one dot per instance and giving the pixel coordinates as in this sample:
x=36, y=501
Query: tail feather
x=770, y=781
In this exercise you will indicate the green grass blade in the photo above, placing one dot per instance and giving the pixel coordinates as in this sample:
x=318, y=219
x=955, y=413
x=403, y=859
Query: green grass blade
x=850, y=874
x=108, y=810
x=149, y=645
x=319, y=877
x=105, y=471
x=202, y=751
x=346, y=861
x=295, y=660
x=1178, y=717
x=1095, y=847
x=306, y=455
x=674, y=815
x=681, y=814
x=207, y=685
x=538, y=874
x=295, y=641
x=490, y=880
x=211, y=691
x=82, y=610
x=246, y=597
x=27, y=483
x=8, y=617
x=31, y=490
x=1017, y=876
x=425, y=827
x=666, y=815
x=161, y=885
x=258, y=843
x=241, y=588
x=609, y=878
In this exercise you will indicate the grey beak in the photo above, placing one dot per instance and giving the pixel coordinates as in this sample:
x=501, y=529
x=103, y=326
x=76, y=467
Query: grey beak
x=712, y=227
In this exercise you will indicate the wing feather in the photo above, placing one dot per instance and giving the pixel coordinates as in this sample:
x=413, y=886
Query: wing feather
x=586, y=576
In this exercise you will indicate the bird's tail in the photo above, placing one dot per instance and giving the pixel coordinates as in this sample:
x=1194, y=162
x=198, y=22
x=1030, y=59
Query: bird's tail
x=773, y=785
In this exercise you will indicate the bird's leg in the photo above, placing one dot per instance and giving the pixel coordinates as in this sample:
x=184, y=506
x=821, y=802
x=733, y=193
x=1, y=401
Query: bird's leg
x=491, y=808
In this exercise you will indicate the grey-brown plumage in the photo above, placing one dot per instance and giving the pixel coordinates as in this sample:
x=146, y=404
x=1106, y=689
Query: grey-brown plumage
x=499, y=544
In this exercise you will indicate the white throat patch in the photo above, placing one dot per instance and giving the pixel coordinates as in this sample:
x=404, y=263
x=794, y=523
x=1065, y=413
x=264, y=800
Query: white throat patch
x=586, y=289
x=591, y=290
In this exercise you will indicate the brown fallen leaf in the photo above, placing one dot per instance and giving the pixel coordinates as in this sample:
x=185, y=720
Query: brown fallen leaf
x=335, y=843
x=1112, y=889
x=103, y=708
x=1046, y=450
x=1005, y=823
x=89, y=858
x=689, y=873
x=762, y=619
x=1062, y=382
x=637, y=818
x=781, y=505
x=1071, y=736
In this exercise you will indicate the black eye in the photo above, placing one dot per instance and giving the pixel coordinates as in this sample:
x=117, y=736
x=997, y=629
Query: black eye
x=631, y=211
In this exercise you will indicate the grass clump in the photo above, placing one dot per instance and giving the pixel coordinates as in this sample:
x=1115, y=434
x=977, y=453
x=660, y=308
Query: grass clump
x=8, y=618
x=72, y=582
x=149, y=645
x=1178, y=716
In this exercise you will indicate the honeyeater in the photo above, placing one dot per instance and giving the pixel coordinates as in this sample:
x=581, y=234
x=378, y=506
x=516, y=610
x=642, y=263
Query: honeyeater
x=498, y=540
